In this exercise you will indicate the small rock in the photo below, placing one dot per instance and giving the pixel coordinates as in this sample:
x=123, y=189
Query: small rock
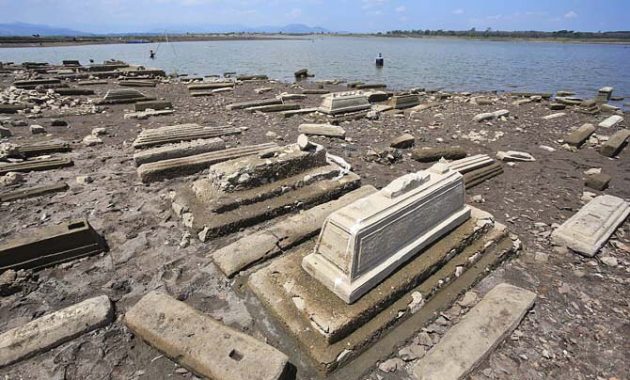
x=541, y=257
x=84, y=179
x=391, y=365
x=271, y=135
x=91, y=140
x=37, y=129
x=478, y=199
x=99, y=131
x=5, y=132
x=403, y=141
x=59, y=123
x=469, y=299
x=609, y=260
x=11, y=178
x=424, y=339
x=412, y=352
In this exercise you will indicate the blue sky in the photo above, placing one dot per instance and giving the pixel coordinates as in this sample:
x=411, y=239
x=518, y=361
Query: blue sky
x=340, y=15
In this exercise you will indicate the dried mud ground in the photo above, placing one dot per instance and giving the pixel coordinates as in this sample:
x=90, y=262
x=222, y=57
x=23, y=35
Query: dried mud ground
x=578, y=329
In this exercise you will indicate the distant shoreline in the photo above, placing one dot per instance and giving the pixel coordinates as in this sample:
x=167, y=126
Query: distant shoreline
x=31, y=42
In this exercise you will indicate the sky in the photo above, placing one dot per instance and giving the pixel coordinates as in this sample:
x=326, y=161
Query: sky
x=117, y=16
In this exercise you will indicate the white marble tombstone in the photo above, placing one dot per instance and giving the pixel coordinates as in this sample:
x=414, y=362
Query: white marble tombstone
x=364, y=242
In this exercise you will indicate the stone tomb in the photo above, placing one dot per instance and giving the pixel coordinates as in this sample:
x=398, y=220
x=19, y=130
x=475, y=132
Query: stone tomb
x=399, y=290
x=244, y=191
x=364, y=242
x=344, y=102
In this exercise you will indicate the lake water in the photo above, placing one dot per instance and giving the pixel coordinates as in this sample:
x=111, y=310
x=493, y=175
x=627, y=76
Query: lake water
x=450, y=64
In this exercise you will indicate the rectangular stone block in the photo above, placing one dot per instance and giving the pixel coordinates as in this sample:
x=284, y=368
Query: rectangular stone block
x=253, y=103
x=482, y=174
x=209, y=85
x=177, y=150
x=51, y=245
x=479, y=332
x=137, y=83
x=589, y=229
x=43, y=148
x=328, y=130
x=51, y=330
x=154, y=105
x=122, y=96
x=362, y=243
x=400, y=102
x=178, y=133
x=283, y=235
x=577, y=137
x=615, y=143
x=175, y=167
x=31, y=192
x=274, y=108
x=611, y=121
x=471, y=163
x=199, y=343
x=427, y=154
x=339, y=103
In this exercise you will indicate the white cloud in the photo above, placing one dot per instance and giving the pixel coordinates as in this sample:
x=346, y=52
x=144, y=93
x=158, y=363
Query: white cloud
x=401, y=9
x=458, y=11
x=570, y=14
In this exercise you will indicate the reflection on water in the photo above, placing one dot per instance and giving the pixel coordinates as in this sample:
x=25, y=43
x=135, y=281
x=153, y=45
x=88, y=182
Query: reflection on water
x=432, y=63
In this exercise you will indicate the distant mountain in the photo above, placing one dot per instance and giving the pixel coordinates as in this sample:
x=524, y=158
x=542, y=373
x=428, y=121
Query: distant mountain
x=24, y=29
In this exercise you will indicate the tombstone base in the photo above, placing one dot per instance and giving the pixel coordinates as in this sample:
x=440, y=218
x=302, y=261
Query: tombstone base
x=333, y=333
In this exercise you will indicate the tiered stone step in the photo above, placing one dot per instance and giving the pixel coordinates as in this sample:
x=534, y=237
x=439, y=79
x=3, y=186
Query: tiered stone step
x=177, y=150
x=333, y=332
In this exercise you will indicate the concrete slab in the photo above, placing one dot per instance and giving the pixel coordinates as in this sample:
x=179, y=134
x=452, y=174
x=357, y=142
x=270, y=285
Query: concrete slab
x=281, y=236
x=54, y=329
x=479, y=332
x=615, y=143
x=36, y=165
x=611, y=121
x=178, y=133
x=177, y=150
x=291, y=295
x=199, y=343
x=589, y=229
x=426, y=154
x=577, y=137
x=327, y=130
x=362, y=243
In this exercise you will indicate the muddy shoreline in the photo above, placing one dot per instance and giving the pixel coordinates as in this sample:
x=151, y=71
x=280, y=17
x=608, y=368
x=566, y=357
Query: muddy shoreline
x=578, y=328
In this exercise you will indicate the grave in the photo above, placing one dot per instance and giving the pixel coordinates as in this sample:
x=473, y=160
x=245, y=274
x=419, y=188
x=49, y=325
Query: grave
x=344, y=102
x=364, y=242
x=257, y=187
x=400, y=102
x=604, y=94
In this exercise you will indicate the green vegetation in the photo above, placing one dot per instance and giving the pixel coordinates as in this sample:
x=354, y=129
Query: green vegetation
x=497, y=34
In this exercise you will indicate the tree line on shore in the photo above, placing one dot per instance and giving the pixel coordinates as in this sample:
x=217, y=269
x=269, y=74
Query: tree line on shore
x=489, y=33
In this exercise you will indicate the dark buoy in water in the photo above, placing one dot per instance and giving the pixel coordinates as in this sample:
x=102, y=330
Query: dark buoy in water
x=151, y=54
x=380, y=61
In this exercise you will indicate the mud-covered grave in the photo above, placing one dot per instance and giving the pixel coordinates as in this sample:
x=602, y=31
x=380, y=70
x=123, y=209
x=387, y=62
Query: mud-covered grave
x=578, y=328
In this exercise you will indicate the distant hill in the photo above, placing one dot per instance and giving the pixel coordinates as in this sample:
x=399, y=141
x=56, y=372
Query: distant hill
x=24, y=29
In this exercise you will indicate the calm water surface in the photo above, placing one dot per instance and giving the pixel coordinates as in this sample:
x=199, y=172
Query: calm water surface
x=457, y=65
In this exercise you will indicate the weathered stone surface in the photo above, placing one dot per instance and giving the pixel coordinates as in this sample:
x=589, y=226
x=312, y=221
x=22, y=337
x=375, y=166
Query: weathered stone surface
x=468, y=164
x=577, y=137
x=74, y=91
x=182, y=132
x=36, y=165
x=266, y=166
x=11, y=108
x=154, y=105
x=54, y=329
x=476, y=176
x=31, y=84
x=5, y=132
x=426, y=154
x=121, y=96
x=253, y=103
x=589, y=229
x=340, y=103
x=554, y=116
x=182, y=149
x=191, y=164
x=615, y=143
x=403, y=141
x=209, y=85
x=597, y=181
x=137, y=83
x=470, y=341
x=333, y=333
x=512, y=155
x=604, y=94
x=280, y=236
x=199, y=343
x=148, y=113
x=274, y=108
x=362, y=243
x=611, y=121
x=301, y=111
x=328, y=130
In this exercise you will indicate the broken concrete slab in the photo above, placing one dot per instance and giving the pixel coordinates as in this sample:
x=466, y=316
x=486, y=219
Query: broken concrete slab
x=301, y=111
x=281, y=236
x=426, y=154
x=477, y=176
x=51, y=330
x=178, y=133
x=253, y=103
x=598, y=181
x=31, y=192
x=177, y=150
x=209, y=85
x=137, y=83
x=152, y=104
x=175, y=167
x=480, y=331
x=327, y=130
x=611, y=121
x=147, y=113
x=274, y=108
x=554, y=116
x=615, y=143
x=31, y=84
x=332, y=333
x=512, y=155
x=589, y=229
x=12, y=108
x=491, y=115
x=201, y=344
x=580, y=135
x=74, y=91
x=403, y=141
x=122, y=96
x=51, y=245
x=356, y=248
x=5, y=132
x=400, y=102
x=604, y=94
x=468, y=164
x=36, y=165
